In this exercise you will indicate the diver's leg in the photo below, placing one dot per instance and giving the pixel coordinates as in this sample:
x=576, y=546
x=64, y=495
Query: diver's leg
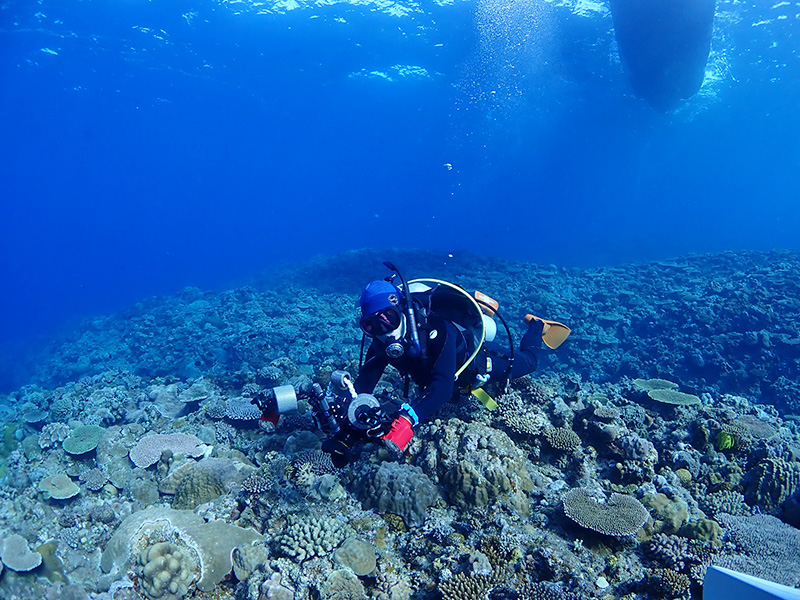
x=526, y=359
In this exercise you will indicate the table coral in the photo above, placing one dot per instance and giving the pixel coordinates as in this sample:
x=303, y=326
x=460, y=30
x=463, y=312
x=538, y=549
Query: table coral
x=620, y=515
x=148, y=450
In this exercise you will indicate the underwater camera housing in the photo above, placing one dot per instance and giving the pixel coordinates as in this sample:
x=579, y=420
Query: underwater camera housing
x=347, y=418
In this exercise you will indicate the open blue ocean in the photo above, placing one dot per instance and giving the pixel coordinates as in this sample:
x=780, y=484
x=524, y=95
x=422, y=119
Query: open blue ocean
x=147, y=146
x=193, y=195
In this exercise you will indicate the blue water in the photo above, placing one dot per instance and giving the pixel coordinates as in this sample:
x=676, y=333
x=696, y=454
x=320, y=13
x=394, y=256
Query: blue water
x=147, y=146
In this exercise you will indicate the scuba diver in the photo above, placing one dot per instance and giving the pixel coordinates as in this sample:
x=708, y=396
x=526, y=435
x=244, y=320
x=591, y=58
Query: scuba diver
x=435, y=334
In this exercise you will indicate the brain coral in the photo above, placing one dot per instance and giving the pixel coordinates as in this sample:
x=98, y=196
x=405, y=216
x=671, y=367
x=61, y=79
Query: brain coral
x=400, y=489
x=148, y=451
x=198, y=487
x=621, y=515
x=342, y=585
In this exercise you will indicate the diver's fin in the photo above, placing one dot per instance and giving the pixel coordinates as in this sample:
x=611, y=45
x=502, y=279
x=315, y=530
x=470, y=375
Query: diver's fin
x=485, y=398
x=553, y=332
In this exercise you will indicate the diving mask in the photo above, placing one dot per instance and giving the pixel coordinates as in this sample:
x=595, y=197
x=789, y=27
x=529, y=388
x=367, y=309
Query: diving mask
x=381, y=322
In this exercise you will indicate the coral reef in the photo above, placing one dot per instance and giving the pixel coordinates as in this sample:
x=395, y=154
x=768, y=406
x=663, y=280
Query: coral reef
x=134, y=464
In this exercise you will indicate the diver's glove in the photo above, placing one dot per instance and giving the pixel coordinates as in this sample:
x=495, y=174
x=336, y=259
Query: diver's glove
x=399, y=434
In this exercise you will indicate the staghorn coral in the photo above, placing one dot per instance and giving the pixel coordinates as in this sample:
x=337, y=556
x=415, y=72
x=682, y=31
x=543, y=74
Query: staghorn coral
x=620, y=515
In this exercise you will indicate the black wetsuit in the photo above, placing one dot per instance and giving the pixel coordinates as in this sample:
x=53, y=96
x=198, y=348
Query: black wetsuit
x=444, y=350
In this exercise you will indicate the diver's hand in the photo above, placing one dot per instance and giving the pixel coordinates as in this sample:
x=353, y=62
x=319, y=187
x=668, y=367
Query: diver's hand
x=399, y=435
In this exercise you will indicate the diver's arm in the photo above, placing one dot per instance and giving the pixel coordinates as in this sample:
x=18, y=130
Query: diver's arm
x=371, y=372
x=442, y=383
